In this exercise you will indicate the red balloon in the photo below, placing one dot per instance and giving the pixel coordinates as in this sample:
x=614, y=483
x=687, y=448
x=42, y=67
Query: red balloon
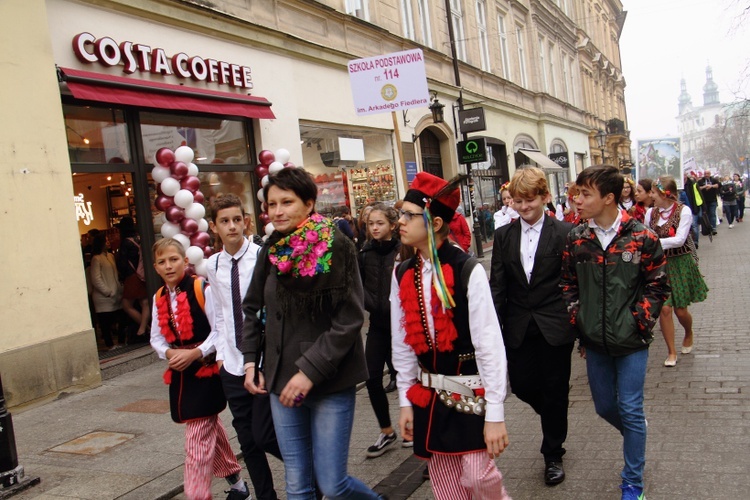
x=290, y=165
x=158, y=189
x=189, y=226
x=198, y=197
x=200, y=239
x=165, y=157
x=264, y=218
x=179, y=170
x=191, y=183
x=208, y=252
x=261, y=171
x=266, y=157
x=174, y=214
x=163, y=202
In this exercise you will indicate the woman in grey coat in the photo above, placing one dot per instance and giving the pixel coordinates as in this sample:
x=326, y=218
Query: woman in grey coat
x=308, y=283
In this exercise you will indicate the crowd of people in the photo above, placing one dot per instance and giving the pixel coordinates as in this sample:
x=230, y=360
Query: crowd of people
x=276, y=328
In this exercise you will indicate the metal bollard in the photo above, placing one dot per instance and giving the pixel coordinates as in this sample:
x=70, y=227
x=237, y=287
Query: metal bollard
x=11, y=474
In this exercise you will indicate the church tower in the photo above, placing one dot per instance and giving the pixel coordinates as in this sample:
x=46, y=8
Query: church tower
x=685, y=102
x=710, y=89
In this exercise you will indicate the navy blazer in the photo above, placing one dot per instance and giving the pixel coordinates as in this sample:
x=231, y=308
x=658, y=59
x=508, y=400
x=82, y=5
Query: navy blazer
x=517, y=300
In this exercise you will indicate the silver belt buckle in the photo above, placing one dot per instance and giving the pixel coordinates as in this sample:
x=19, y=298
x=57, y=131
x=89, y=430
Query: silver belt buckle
x=468, y=405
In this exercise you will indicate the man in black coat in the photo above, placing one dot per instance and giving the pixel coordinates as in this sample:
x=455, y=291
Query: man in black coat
x=525, y=279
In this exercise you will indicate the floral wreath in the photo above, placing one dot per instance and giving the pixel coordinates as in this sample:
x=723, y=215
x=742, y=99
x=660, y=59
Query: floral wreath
x=306, y=251
x=660, y=188
x=504, y=186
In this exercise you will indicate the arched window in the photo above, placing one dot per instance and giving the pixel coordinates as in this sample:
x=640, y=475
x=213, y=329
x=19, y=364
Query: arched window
x=525, y=142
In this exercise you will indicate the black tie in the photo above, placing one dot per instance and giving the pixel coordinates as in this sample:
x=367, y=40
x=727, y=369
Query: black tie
x=236, y=302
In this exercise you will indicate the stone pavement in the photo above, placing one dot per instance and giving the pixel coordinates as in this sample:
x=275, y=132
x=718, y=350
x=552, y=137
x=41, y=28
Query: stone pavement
x=698, y=413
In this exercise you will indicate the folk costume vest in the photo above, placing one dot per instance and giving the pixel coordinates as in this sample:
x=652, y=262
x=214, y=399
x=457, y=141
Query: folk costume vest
x=438, y=428
x=195, y=392
x=669, y=229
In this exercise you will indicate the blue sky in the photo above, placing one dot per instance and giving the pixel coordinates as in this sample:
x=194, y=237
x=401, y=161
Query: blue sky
x=664, y=41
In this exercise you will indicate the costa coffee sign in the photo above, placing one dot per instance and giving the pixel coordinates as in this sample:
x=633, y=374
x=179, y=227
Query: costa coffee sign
x=139, y=57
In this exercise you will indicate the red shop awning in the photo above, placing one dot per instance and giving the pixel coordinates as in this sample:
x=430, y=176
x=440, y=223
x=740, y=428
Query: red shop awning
x=133, y=92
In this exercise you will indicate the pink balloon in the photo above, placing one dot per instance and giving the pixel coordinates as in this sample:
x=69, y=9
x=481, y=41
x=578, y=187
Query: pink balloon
x=261, y=171
x=163, y=202
x=208, y=252
x=179, y=170
x=189, y=226
x=266, y=157
x=191, y=183
x=290, y=165
x=165, y=157
x=264, y=218
x=200, y=239
x=174, y=214
x=198, y=197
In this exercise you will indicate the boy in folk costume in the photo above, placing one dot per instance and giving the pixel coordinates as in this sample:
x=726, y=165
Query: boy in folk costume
x=183, y=335
x=448, y=350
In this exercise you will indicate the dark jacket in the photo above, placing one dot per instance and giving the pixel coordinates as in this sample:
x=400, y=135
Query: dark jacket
x=516, y=300
x=326, y=347
x=689, y=196
x=614, y=295
x=728, y=192
x=376, y=269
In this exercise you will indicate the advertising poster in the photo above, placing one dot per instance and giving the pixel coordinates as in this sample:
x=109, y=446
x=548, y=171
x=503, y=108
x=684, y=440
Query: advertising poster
x=657, y=157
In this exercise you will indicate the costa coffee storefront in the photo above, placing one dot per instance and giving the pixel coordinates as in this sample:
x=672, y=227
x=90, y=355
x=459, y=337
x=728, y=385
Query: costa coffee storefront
x=95, y=92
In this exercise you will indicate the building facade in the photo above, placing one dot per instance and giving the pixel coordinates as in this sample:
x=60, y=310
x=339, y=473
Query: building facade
x=93, y=88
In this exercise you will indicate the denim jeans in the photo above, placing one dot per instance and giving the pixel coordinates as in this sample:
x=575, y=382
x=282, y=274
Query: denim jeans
x=730, y=211
x=617, y=389
x=711, y=207
x=318, y=431
x=696, y=227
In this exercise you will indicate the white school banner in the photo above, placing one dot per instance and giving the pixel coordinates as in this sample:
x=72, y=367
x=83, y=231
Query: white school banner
x=389, y=82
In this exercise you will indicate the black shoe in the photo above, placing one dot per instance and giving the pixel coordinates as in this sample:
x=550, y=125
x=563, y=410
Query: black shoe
x=553, y=473
x=426, y=474
x=237, y=494
x=391, y=386
x=384, y=442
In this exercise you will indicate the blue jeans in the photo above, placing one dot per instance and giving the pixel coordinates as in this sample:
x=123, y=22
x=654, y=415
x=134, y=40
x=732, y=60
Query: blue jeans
x=711, y=207
x=730, y=211
x=318, y=431
x=696, y=227
x=617, y=389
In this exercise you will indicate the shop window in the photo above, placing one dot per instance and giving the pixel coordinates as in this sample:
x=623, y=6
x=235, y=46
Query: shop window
x=214, y=140
x=96, y=135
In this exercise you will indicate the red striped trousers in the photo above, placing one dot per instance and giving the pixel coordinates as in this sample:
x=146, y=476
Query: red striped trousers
x=465, y=477
x=207, y=454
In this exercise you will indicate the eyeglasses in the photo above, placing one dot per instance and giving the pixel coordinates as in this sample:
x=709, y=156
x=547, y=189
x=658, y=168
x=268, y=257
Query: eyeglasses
x=408, y=215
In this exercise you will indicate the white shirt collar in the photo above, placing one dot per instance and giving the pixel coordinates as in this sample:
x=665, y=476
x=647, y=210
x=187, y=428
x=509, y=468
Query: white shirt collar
x=614, y=227
x=537, y=226
x=240, y=252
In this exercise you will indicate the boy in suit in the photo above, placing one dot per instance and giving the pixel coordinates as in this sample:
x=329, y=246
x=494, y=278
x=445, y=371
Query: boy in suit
x=525, y=283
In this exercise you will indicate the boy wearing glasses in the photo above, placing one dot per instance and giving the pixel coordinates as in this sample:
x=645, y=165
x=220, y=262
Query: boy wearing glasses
x=448, y=350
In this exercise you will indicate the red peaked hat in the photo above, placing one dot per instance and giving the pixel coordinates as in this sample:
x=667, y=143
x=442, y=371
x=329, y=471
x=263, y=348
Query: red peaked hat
x=437, y=195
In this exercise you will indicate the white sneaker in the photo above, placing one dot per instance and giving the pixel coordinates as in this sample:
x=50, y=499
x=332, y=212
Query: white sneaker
x=731, y=226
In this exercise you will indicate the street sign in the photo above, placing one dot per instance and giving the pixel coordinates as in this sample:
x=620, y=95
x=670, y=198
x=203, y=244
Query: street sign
x=390, y=82
x=472, y=151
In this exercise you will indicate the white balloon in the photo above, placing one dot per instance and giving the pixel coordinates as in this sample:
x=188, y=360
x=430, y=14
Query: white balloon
x=184, y=240
x=194, y=255
x=201, y=268
x=264, y=181
x=193, y=169
x=269, y=228
x=161, y=218
x=196, y=211
x=275, y=167
x=183, y=198
x=170, y=229
x=184, y=154
x=261, y=196
x=170, y=186
x=202, y=224
x=282, y=155
x=160, y=173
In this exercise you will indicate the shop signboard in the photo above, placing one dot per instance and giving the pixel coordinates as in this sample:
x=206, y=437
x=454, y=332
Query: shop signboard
x=471, y=120
x=560, y=158
x=472, y=151
x=389, y=82
x=411, y=171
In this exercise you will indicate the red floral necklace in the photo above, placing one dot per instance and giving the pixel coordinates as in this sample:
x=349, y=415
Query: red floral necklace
x=415, y=313
x=174, y=327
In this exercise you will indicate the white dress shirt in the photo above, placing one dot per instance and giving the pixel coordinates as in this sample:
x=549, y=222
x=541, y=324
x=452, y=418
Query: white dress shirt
x=220, y=278
x=530, y=234
x=606, y=235
x=159, y=342
x=485, y=335
x=681, y=234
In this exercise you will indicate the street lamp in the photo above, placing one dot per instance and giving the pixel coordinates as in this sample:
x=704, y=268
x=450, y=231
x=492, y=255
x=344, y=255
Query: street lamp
x=601, y=141
x=436, y=107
